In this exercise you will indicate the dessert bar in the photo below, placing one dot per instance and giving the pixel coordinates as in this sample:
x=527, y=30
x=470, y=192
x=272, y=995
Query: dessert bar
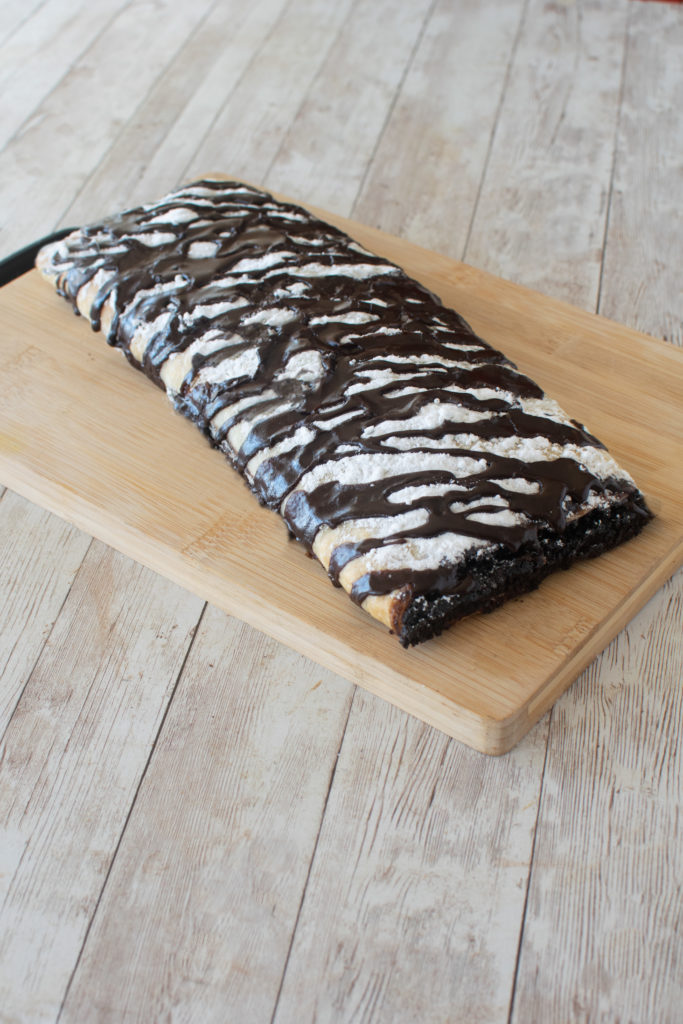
x=428, y=475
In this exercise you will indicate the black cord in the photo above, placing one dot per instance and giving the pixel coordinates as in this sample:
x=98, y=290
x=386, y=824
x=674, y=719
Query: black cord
x=22, y=260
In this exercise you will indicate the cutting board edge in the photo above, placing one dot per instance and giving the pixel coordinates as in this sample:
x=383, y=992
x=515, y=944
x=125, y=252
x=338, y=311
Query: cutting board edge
x=493, y=731
x=482, y=732
x=461, y=723
x=487, y=733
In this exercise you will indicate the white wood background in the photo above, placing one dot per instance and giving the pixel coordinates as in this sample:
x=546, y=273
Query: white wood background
x=198, y=824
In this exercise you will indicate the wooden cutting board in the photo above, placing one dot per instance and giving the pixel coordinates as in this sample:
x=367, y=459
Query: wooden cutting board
x=87, y=437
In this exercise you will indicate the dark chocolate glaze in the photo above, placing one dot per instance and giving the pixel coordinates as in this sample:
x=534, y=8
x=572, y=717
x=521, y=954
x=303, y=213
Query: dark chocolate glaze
x=432, y=348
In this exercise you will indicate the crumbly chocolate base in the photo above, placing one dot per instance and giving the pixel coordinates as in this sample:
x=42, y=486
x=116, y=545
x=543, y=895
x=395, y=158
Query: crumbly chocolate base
x=490, y=580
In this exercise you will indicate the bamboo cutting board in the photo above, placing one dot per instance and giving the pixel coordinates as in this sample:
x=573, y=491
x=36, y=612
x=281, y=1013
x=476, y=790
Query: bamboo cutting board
x=84, y=435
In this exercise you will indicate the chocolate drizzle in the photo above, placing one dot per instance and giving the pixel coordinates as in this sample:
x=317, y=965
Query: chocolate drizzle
x=313, y=352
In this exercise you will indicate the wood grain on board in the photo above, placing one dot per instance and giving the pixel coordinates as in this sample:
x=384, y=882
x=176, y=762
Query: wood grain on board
x=93, y=441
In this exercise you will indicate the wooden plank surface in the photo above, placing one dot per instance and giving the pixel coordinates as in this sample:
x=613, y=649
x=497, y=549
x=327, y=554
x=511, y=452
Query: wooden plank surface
x=641, y=282
x=14, y=14
x=250, y=125
x=614, y=953
x=55, y=823
x=391, y=925
x=155, y=145
x=122, y=75
x=426, y=191
x=213, y=919
x=552, y=180
x=99, y=473
x=32, y=61
x=122, y=120
x=327, y=168
x=601, y=935
x=40, y=556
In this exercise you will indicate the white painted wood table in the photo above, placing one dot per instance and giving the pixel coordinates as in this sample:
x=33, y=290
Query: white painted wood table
x=198, y=824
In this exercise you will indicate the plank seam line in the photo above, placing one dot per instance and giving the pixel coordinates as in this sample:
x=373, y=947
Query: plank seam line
x=124, y=127
x=617, y=129
x=311, y=862
x=311, y=84
x=18, y=131
x=13, y=31
x=522, y=923
x=133, y=802
x=47, y=638
x=496, y=122
x=182, y=179
x=392, y=105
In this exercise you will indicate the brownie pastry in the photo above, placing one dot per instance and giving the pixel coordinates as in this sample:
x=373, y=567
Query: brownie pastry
x=429, y=476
